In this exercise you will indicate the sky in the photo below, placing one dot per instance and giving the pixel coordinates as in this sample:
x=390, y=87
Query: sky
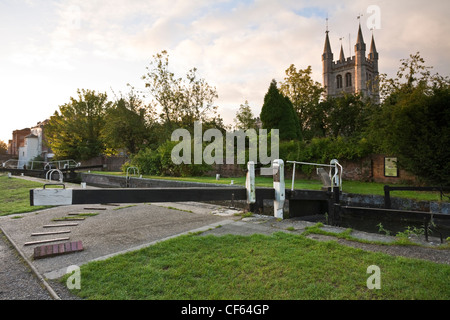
x=51, y=48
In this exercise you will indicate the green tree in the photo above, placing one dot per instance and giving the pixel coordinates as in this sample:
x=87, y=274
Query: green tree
x=128, y=124
x=278, y=112
x=164, y=87
x=182, y=101
x=345, y=116
x=412, y=122
x=305, y=95
x=197, y=101
x=244, y=118
x=74, y=132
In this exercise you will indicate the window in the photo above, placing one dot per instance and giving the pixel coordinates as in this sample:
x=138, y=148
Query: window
x=348, y=80
x=339, y=81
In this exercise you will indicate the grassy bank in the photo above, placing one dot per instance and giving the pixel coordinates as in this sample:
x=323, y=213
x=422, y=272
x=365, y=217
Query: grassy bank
x=15, y=195
x=281, y=266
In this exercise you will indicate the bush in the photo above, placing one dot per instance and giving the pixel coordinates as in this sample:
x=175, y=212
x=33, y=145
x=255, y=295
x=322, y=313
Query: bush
x=159, y=162
x=323, y=150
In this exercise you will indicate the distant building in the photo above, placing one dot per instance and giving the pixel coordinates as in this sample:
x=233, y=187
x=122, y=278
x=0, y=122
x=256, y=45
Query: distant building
x=17, y=141
x=29, y=150
x=356, y=74
x=29, y=143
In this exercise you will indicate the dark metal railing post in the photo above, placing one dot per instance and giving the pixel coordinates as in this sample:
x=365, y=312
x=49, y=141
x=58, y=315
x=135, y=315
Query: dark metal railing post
x=387, y=197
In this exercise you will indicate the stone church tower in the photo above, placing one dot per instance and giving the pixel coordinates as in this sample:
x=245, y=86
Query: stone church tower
x=356, y=74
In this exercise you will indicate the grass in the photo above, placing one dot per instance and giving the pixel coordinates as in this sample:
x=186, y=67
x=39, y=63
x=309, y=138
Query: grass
x=178, y=209
x=124, y=207
x=259, y=267
x=15, y=195
x=358, y=187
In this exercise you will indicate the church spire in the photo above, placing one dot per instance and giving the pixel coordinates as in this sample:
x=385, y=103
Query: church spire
x=360, y=45
x=327, y=47
x=373, y=48
x=327, y=53
x=341, y=55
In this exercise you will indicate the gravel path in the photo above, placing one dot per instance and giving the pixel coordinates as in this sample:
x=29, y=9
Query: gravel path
x=17, y=281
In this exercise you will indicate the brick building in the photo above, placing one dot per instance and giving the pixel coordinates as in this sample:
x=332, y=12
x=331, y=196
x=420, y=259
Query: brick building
x=17, y=141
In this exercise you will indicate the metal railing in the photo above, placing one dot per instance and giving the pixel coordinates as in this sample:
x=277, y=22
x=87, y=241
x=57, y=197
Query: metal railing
x=334, y=175
x=36, y=165
x=48, y=175
x=127, y=179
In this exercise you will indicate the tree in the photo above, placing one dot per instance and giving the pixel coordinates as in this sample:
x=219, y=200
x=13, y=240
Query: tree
x=163, y=87
x=197, y=98
x=412, y=74
x=128, y=124
x=345, y=116
x=277, y=112
x=244, y=118
x=305, y=95
x=182, y=101
x=75, y=131
x=412, y=122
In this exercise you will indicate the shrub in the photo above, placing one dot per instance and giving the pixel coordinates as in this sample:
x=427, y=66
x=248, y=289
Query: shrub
x=159, y=162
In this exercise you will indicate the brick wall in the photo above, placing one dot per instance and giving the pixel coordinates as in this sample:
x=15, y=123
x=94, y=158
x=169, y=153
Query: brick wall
x=378, y=172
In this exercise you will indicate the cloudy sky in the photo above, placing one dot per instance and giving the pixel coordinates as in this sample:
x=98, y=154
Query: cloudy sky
x=50, y=48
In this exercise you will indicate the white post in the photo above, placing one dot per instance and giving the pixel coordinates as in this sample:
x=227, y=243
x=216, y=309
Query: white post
x=293, y=177
x=279, y=187
x=250, y=182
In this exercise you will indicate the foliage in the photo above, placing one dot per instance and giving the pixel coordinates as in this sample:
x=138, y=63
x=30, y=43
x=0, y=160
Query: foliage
x=182, y=102
x=244, y=118
x=412, y=122
x=128, y=124
x=75, y=131
x=305, y=95
x=159, y=162
x=344, y=116
x=323, y=150
x=277, y=112
x=412, y=74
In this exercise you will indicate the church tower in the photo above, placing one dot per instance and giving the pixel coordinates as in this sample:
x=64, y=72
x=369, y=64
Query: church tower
x=356, y=74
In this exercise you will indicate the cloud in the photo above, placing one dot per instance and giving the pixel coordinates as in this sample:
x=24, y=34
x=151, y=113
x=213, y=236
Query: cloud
x=237, y=46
